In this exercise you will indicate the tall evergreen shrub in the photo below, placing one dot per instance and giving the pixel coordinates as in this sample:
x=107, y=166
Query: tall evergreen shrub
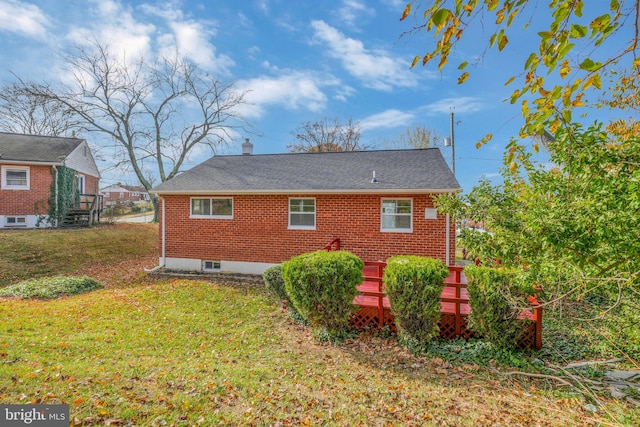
x=413, y=285
x=322, y=285
x=497, y=297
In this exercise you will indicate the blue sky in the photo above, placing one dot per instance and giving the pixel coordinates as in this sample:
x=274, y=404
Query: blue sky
x=301, y=61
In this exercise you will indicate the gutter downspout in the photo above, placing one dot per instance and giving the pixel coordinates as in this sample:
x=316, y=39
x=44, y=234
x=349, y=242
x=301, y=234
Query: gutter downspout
x=163, y=255
x=448, y=237
x=55, y=193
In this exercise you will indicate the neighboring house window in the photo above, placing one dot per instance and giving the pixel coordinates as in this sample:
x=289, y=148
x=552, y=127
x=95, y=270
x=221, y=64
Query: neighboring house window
x=80, y=180
x=15, y=177
x=122, y=195
x=212, y=207
x=397, y=215
x=106, y=194
x=302, y=214
x=16, y=221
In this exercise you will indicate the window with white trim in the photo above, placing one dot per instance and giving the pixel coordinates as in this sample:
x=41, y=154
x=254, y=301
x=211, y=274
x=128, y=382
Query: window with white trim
x=212, y=207
x=16, y=221
x=397, y=215
x=15, y=177
x=302, y=214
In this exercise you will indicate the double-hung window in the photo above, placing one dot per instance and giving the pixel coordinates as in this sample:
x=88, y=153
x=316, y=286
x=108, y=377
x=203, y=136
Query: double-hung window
x=397, y=215
x=15, y=177
x=212, y=207
x=302, y=214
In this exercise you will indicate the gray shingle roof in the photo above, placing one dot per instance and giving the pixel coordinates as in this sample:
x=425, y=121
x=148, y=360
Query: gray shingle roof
x=35, y=148
x=423, y=170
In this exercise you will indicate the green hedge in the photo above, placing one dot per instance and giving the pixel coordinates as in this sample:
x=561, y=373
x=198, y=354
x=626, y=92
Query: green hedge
x=274, y=282
x=322, y=285
x=497, y=297
x=50, y=287
x=413, y=285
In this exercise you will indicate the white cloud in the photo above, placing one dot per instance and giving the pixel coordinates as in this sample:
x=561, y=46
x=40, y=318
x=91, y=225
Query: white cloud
x=23, y=18
x=464, y=104
x=387, y=120
x=191, y=39
x=114, y=26
x=293, y=90
x=351, y=10
x=375, y=69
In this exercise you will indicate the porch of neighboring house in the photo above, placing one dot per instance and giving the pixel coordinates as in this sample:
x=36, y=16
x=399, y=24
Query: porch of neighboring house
x=375, y=310
x=84, y=212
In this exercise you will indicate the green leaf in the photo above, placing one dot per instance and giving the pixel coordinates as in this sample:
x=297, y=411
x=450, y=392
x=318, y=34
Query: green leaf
x=463, y=65
x=578, y=31
x=589, y=65
x=614, y=5
x=530, y=60
x=502, y=40
x=440, y=17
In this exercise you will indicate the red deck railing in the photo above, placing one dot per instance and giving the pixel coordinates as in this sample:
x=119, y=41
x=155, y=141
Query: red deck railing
x=375, y=309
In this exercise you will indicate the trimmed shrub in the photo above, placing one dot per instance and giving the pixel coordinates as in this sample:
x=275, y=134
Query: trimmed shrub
x=322, y=285
x=50, y=287
x=413, y=285
x=274, y=282
x=497, y=298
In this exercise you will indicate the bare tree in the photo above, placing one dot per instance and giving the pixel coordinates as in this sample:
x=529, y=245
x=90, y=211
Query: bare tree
x=327, y=135
x=418, y=137
x=22, y=110
x=156, y=113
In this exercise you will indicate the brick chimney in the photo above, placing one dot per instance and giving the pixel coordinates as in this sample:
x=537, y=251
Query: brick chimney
x=247, y=147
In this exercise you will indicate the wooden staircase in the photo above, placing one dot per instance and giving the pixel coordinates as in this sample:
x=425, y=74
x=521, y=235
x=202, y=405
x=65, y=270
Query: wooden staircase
x=85, y=213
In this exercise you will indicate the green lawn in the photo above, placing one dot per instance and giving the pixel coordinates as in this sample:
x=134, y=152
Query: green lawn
x=181, y=352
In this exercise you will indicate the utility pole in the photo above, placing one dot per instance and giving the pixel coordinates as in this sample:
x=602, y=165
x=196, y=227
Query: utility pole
x=453, y=148
x=451, y=142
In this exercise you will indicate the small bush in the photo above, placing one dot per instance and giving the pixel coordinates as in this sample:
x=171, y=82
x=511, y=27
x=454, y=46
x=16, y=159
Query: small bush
x=50, y=287
x=274, y=283
x=413, y=285
x=497, y=297
x=321, y=286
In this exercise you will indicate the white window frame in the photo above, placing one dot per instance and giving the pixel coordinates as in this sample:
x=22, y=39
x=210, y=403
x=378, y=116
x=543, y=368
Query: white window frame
x=210, y=216
x=384, y=214
x=303, y=227
x=6, y=186
x=18, y=221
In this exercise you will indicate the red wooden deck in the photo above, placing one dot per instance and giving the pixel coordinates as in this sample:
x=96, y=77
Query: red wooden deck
x=375, y=309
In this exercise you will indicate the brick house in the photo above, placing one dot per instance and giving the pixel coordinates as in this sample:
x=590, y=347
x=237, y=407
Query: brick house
x=29, y=168
x=124, y=195
x=244, y=213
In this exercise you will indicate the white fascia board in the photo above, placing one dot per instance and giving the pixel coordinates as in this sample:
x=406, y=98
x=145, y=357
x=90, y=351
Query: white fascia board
x=302, y=191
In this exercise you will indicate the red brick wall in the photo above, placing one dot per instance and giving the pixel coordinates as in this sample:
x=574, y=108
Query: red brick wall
x=23, y=202
x=91, y=184
x=259, y=230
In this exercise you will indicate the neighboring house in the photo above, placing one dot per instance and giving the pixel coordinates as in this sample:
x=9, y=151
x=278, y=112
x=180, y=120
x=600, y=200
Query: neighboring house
x=247, y=212
x=29, y=168
x=124, y=195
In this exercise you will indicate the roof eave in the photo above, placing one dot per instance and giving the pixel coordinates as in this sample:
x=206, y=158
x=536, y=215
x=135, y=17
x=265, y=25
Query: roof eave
x=29, y=162
x=309, y=191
